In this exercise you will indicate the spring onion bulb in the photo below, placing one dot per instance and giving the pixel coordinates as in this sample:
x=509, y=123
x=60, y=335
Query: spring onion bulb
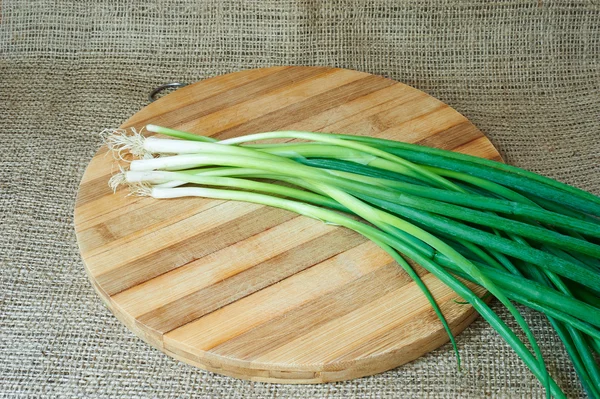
x=457, y=216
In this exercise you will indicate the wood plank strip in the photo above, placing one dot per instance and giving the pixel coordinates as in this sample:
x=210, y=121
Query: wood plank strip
x=403, y=330
x=235, y=319
x=453, y=137
x=376, y=124
x=350, y=124
x=308, y=318
x=167, y=236
x=290, y=93
x=212, y=269
x=480, y=147
x=181, y=252
x=265, y=274
x=342, y=334
x=356, y=109
x=303, y=109
x=424, y=126
x=117, y=231
x=106, y=206
x=87, y=220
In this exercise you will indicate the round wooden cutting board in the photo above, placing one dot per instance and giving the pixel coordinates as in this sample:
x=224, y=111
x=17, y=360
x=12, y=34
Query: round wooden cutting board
x=260, y=293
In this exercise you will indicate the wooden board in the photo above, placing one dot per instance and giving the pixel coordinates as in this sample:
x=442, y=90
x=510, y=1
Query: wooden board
x=261, y=293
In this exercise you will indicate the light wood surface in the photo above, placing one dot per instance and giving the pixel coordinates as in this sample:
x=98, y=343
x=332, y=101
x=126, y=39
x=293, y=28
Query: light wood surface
x=260, y=293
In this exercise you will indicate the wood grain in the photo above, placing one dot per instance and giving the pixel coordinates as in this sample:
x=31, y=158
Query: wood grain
x=260, y=293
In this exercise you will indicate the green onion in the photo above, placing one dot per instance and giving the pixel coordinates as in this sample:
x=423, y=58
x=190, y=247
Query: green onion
x=457, y=216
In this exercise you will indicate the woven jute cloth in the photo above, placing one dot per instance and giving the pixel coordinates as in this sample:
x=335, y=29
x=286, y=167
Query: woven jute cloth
x=527, y=73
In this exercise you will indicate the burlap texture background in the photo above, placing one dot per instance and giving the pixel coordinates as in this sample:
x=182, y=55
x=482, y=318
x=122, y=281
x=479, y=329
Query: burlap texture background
x=526, y=72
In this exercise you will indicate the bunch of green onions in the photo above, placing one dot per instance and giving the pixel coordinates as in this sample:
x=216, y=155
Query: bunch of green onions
x=525, y=238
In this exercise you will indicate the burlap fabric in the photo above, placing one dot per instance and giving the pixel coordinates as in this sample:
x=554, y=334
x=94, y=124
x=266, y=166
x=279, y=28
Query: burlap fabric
x=526, y=73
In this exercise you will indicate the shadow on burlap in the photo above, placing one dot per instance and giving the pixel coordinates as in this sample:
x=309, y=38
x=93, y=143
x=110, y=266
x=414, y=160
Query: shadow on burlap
x=526, y=73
